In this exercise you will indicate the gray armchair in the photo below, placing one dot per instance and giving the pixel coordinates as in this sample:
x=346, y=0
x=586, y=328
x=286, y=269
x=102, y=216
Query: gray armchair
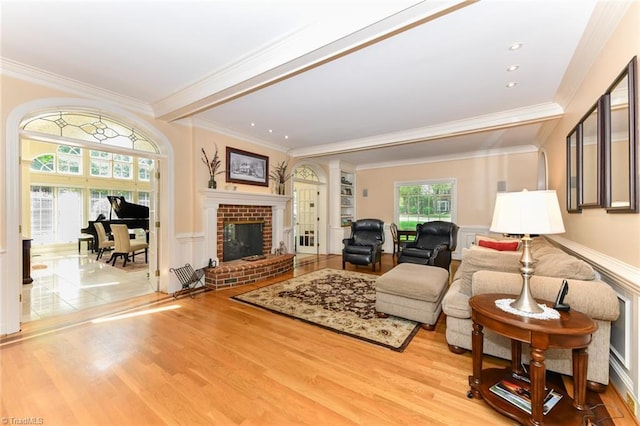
x=365, y=245
x=433, y=244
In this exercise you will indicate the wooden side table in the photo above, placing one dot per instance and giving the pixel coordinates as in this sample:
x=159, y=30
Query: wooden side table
x=571, y=331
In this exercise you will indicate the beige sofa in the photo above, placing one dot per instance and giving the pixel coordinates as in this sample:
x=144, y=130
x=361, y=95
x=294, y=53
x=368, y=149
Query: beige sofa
x=490, y=271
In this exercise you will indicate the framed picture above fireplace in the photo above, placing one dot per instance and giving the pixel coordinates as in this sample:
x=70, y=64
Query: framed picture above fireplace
x=246, y=167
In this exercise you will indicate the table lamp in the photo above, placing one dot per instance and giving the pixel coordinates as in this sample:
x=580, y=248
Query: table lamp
x=526, y=213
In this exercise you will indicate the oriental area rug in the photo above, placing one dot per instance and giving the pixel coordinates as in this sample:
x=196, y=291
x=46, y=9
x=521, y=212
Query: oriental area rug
x=341, y=301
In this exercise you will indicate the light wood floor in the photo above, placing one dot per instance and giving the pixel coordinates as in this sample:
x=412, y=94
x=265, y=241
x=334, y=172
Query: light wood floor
x=211, y=360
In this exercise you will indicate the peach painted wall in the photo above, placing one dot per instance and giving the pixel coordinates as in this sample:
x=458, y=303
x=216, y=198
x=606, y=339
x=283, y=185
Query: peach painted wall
x=615, y=235
x=477, y=180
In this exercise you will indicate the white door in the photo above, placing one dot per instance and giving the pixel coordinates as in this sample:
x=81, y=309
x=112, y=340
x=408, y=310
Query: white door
x=306, y=234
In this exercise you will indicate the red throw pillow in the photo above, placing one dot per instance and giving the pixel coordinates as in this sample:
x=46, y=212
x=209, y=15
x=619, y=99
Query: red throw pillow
x=499, y=245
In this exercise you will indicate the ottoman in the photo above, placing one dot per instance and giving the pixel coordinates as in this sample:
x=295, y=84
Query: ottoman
x=413, y=292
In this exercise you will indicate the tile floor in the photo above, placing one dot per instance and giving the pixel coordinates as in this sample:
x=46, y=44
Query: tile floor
x=67, y=281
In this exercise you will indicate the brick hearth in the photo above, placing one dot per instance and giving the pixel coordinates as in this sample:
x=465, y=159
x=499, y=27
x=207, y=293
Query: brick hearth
x=239, y=272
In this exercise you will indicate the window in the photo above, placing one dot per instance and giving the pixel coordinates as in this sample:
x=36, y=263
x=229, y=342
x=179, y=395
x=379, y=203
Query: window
x=100, y=164
x=105, y=164
x=42, y=214
x=98, y=203
x=143, y=199
x=305, y=173
x=89, y=127
x=424, y=201
x=144, y=169
x=122, y=166
x=69, y=160
x=56, y=214
x=43, y=163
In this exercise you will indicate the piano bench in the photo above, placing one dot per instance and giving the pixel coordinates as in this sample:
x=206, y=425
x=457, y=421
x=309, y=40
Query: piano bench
x=89, y=239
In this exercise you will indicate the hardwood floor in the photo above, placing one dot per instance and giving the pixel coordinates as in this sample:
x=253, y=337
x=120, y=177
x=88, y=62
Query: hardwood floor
x=211, y=360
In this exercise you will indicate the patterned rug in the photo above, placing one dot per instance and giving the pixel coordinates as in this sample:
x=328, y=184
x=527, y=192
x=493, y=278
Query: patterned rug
x=341, y=301
x=132, y=266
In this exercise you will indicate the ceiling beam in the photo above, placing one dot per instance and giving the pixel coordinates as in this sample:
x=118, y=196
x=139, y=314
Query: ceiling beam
x=297, y=53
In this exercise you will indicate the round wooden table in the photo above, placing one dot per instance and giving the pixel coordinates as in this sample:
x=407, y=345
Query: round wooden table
x=571, y=331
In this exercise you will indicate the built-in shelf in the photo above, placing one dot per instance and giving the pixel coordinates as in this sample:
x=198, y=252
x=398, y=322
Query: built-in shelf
x=347, y=200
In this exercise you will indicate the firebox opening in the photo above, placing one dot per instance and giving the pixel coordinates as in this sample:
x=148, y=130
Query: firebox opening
x=241, y=239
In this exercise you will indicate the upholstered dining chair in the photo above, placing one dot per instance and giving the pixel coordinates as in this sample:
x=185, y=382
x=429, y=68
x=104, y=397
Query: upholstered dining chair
x=125, y=245
x=103, y=240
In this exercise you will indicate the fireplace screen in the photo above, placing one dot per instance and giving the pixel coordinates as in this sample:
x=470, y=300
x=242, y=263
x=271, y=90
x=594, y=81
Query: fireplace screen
x=241, y=239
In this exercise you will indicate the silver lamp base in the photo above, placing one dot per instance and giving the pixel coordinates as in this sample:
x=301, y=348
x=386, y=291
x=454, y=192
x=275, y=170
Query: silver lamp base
x=525, y=301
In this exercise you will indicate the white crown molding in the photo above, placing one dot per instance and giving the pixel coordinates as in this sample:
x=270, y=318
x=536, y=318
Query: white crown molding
x=524, y=149
x=500, y=120
x=54, y=81
x=604, y=20
x=298, y=52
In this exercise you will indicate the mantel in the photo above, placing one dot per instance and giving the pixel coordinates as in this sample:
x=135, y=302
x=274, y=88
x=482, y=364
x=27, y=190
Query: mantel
x=211, y=199
x=217, y=197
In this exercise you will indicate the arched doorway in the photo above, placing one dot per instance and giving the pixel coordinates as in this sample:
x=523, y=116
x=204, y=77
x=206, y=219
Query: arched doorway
x=10, y=293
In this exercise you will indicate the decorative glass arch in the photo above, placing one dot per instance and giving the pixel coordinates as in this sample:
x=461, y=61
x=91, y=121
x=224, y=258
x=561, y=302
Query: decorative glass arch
x=305, y=173
x=90, y=127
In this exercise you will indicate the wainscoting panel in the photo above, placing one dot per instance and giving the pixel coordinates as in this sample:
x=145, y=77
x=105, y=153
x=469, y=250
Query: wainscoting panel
x=188, y=246
x=621, y=332
x=625, y=334
x=466, y=237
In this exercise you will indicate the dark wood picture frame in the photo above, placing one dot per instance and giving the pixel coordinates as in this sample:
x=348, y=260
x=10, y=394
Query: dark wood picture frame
x=247, y=168
x=621, y=143
x=590, y=142
x=574, y=172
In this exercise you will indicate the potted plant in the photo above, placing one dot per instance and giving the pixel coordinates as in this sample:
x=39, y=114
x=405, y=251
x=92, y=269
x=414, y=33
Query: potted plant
x=279, y=176
x=213, y=166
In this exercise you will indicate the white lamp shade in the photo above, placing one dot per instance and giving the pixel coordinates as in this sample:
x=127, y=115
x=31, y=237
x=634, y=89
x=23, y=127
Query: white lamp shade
x=527, y=212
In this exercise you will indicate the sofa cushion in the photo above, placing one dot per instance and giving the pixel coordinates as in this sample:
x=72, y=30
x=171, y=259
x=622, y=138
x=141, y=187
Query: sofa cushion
x=455, y=303
x=486, y=260
x=562, y=265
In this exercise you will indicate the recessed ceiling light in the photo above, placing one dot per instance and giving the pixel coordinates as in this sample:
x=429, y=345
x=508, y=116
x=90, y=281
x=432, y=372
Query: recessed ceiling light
x=513, y=68
x=253, y=124
x=511, y=84
x=270, y=131
x=516, y=46
x=286, y=136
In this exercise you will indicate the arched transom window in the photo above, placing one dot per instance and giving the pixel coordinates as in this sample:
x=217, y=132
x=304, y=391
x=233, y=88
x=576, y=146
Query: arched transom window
x=89, y=127
x=305, y=173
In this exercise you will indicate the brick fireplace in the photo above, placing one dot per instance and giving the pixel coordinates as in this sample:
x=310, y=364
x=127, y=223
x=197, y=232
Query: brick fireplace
x=220, y=206
x=244, y=213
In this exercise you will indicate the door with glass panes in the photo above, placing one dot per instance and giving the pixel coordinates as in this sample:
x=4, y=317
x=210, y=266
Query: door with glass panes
x=306, y=220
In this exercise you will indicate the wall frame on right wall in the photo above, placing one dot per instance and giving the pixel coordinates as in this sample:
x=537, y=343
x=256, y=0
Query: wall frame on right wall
x=620, y=142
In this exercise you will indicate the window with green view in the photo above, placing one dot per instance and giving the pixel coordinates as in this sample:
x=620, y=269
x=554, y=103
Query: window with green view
x=424, y=201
